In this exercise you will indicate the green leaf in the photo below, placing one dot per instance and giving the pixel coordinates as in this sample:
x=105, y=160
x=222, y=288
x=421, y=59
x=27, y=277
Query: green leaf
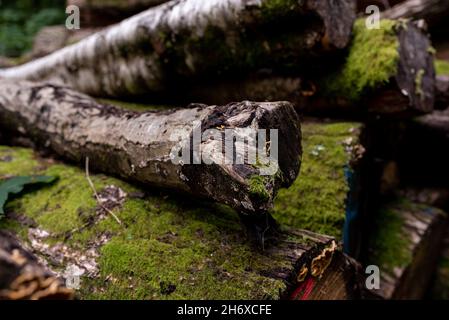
x=16, y=185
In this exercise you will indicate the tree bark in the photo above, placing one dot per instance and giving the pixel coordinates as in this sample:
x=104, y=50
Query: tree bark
x=147, y=147
x=418, y=230
x=164, y=47
x=23, y=277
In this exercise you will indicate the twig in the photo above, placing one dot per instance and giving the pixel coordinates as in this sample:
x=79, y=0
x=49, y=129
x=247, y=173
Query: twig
x=96, y=194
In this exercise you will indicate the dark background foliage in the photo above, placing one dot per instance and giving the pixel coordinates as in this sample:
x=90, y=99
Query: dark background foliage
x=20, y=20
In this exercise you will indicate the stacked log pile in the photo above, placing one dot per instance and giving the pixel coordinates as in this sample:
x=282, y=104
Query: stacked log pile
x=162, y=214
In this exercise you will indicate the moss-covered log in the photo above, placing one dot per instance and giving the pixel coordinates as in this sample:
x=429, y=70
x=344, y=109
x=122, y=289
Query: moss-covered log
x=405, y=244
x=213, y=258
x=159, y=49
x=23, y=277
x=170, y=149
x=387, y=71
x=171, y=247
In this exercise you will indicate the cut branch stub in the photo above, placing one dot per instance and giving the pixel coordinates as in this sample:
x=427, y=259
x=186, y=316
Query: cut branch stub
x=174, y=149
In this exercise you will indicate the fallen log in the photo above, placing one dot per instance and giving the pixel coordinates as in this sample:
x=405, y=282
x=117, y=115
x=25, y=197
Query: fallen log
x=190, y=150
x=164, y=47
x=405, y=243
x=399, y=79
x=23, y=277
x=169, y=246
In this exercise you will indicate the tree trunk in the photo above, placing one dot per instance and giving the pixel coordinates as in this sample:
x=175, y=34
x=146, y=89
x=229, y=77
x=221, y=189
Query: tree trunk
x=159, y=49
x=405, y=246
x=23, y=277
x=164, y=148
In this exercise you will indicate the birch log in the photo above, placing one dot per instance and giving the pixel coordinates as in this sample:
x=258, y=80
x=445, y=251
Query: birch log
x=158, y=49
x=144, y=147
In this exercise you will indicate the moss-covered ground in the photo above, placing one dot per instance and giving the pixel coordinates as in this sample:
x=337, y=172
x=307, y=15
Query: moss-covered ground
x=175, y=247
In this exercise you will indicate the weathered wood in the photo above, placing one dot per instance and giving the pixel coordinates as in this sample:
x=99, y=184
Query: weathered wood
x=405, y=244
x=23, y=277
x=155, y=147
x=341, y=281
x=164, y=47
x=407, y=89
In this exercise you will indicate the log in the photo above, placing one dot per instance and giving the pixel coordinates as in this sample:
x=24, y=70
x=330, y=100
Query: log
x=168, y=246
x=23, y=277
x=399, y=80
x=405, y=243
x=165, y=47
x=173, y=149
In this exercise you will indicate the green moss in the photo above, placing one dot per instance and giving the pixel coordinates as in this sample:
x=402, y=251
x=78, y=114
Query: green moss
x=134, y=106
x=442, y=67
x=165, y=239
x=317, y=199
x=390, y=244
x=257, y=187
x=371, y=62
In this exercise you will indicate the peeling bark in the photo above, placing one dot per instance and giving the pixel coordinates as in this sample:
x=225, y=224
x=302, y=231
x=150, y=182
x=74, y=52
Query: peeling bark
x=22, y=277
x=139, y=146
x=164, y=47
